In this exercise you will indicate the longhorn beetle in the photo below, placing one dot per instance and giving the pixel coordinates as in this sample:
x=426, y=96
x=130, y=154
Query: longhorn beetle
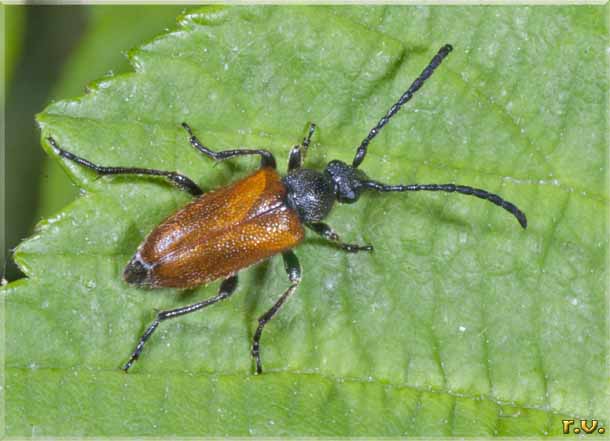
x=224, y=231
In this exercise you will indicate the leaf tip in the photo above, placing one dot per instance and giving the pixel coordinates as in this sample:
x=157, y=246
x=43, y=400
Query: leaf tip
x=208, y=15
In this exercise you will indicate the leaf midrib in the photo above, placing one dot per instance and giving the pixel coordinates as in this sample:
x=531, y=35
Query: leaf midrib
x=297, y=373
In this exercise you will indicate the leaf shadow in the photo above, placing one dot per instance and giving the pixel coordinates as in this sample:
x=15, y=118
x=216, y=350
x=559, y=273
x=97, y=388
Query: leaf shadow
x=252, y=299
x=439, y=213
x=186, y=294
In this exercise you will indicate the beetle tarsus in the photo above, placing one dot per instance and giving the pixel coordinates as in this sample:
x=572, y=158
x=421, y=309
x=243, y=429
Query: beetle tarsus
x=187, y=128
x=128, y=365
x=329, y=234
x=227, y=287
x=140, y=346
x=293, y=269
x=351, y=248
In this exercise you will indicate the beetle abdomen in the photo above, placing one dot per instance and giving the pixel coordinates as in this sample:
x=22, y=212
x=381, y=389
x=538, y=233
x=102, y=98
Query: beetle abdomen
x=218, y=234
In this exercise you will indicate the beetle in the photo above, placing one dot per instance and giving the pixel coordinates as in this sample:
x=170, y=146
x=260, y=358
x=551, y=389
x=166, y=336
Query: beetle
x=226, y=230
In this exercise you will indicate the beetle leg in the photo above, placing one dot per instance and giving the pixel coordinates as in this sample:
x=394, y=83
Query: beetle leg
x=298, y=152
x=291, y=264
x=328, y=233
x=267, y=158
x=180, y=181
x=227, y=287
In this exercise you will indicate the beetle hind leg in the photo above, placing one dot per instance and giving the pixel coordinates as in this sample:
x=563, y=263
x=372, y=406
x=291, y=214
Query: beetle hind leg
x=180, y=181
x=293, y=269
x=227, y=287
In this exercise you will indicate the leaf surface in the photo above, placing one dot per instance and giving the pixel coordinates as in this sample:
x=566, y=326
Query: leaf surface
x=111, y=31
x=459, y=324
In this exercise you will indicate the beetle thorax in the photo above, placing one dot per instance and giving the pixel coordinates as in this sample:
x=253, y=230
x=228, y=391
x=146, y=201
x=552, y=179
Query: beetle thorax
x=310, y=193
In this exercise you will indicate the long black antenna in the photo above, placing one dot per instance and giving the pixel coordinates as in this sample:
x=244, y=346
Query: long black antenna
x=451, y=188
x=434, y=63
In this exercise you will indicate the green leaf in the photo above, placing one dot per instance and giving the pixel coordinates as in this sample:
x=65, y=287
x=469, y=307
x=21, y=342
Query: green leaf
x=459, y=324
x=111, y=30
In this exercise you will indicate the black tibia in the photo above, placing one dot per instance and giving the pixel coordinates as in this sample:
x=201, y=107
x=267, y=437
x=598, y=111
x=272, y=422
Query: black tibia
x=227, y=287
x=267, y=159
x=426, y=73
x=293, y=269
x=180, y=181
x=298, y=152
x=329, y=234
x=451, y=188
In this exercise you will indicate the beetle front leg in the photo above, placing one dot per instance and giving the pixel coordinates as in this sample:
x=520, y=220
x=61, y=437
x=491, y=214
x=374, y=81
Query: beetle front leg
x=267, y=158
x=227, y=287
x=298, y=152
x=180, y=181
x=293, y=269
x=328, y=233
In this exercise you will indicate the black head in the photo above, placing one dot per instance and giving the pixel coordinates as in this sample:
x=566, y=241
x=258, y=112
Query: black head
x=349, y=182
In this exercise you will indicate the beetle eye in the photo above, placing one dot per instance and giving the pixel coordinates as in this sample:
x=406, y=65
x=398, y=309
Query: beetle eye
x=348, y=181
x=348, y=197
